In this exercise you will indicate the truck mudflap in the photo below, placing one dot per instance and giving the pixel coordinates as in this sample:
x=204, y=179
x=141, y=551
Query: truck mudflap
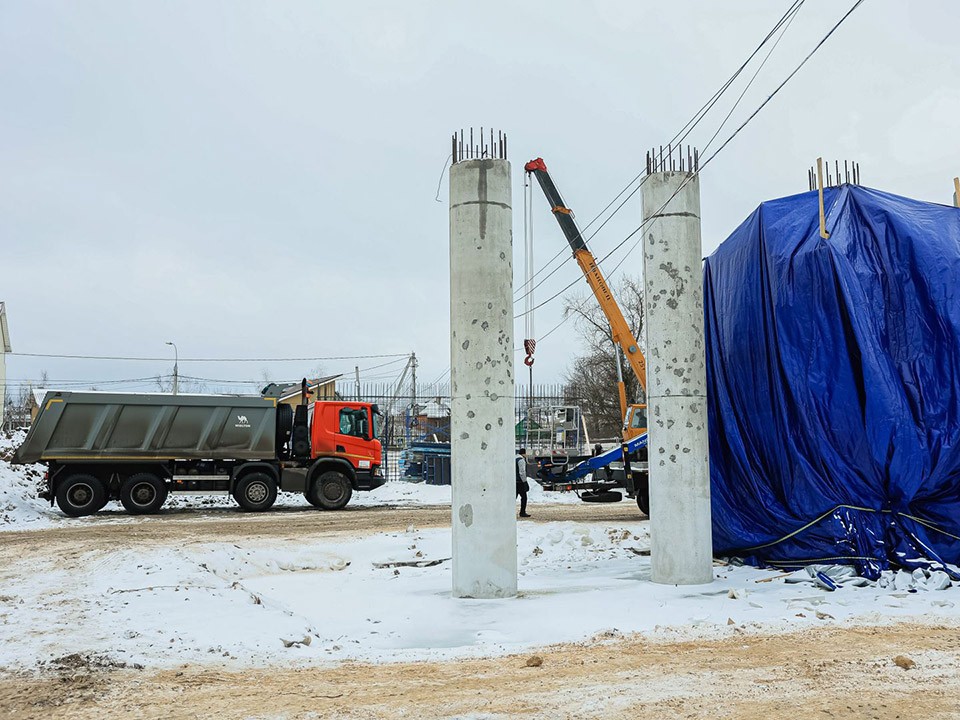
x=370, y=479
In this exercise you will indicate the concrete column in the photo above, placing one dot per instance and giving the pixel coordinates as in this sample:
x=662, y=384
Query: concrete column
x=482, y=380
x=681, y=548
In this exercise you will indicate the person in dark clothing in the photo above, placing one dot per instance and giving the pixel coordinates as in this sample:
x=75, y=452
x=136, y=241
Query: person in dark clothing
x=522, y=485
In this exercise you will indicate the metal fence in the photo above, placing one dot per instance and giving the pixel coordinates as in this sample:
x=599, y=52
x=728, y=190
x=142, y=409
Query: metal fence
x=417, y=427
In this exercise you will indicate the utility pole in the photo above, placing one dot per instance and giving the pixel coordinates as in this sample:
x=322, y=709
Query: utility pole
x=413, y=370
x=176, y=369
x=356, y=369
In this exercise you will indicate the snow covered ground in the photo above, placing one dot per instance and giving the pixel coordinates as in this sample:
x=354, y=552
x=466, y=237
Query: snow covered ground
x=262, y=600
x=254, y=602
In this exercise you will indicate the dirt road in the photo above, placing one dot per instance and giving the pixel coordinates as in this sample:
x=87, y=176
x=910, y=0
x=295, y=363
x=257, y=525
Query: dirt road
x=209, y=524
x=828, y=672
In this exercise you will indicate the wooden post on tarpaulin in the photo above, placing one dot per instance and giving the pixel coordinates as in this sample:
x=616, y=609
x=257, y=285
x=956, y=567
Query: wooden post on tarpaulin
x=823, y=221
x=956, y=192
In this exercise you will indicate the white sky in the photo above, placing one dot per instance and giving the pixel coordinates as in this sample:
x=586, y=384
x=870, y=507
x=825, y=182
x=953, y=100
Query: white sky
x=258, y=179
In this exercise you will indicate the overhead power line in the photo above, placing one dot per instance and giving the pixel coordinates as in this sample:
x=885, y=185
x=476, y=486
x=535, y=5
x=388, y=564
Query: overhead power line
x=202, y=359
x=47, y=383
x=679, y=137
x=702, y=165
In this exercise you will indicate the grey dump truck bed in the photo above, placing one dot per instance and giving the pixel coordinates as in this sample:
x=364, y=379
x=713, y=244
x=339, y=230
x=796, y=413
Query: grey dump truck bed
x=84, y=426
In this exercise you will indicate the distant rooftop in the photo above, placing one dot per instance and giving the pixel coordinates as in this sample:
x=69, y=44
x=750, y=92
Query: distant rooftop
x=285, y=391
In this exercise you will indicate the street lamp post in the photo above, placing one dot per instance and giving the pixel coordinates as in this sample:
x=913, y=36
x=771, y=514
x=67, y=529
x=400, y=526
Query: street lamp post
x=176, y=372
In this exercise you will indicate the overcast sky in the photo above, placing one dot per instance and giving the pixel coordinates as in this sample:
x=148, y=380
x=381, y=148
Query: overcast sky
x=259, y=179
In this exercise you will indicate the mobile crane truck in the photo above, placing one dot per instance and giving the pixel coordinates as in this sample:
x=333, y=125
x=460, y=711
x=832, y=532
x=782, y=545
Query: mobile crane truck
x=139, y=448
x=626, y=466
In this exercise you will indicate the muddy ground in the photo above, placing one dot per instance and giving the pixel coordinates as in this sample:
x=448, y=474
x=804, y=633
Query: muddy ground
x=836, y=672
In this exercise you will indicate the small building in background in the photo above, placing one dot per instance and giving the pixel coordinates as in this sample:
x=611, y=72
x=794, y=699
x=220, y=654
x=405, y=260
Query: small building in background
x=35, y=402
x=324, y=388
x=432, y=421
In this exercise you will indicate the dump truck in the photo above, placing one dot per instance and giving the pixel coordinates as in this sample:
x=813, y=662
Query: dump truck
x=140, y=448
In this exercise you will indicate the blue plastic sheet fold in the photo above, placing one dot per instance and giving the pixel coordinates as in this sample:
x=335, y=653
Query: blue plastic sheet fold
x=833, y=368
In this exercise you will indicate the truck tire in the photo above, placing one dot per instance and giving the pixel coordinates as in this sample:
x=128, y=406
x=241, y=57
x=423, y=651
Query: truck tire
x=330, y=491
x=255, y=492
x=143, y=494
x=643, y=501
x=80, y=495
x=605, y=496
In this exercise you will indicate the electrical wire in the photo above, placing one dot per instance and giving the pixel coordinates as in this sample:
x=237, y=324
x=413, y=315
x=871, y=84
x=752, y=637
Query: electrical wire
x=702, y=166
x=45, y=383
x=201, y=359
x=752, y=79
x=681, y=135
x=381, y=365
x=736, y=104
x=442, y=376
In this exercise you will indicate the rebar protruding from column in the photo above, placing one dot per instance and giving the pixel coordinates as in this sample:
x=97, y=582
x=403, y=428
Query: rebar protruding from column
x=485, y=147
x=850, y=176
x=658, y=162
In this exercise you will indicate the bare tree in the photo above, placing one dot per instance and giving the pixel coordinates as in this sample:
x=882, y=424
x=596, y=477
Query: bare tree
x=17, y=412
x=186, y=386
x=593, y=375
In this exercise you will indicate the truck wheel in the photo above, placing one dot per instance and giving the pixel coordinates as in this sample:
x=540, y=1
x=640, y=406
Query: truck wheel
x=255, y=492
x=330, y=491
x=643, y=502
x=143, y=494
x=81, y=495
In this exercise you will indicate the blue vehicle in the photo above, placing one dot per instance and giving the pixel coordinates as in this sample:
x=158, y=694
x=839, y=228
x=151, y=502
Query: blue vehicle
x=602, y=476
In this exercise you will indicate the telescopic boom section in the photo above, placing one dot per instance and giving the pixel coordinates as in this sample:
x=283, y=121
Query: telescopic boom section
x=619, y=329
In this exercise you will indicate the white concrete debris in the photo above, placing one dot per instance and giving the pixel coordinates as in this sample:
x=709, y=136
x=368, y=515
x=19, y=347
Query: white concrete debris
x=481, y=374
x=681, y=545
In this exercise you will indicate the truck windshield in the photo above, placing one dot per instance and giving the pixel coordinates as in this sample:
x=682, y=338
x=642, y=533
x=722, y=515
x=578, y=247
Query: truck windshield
x=353, y=422
x=376, y=425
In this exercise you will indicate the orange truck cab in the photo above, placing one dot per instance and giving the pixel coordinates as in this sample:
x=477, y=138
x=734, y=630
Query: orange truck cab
x=349, y=431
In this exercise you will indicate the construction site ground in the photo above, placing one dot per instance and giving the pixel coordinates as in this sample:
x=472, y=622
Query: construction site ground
x=904, y=670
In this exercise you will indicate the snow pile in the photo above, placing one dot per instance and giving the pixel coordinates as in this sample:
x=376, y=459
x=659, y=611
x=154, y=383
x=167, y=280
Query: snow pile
x=386, y=597
x=20, y=508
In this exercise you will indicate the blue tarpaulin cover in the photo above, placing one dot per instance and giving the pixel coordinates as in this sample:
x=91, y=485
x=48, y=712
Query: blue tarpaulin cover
x=833, y=368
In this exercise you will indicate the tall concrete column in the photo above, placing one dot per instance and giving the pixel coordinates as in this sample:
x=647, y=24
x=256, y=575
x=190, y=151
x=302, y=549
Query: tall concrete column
x=681, y=542
x=481, y=373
